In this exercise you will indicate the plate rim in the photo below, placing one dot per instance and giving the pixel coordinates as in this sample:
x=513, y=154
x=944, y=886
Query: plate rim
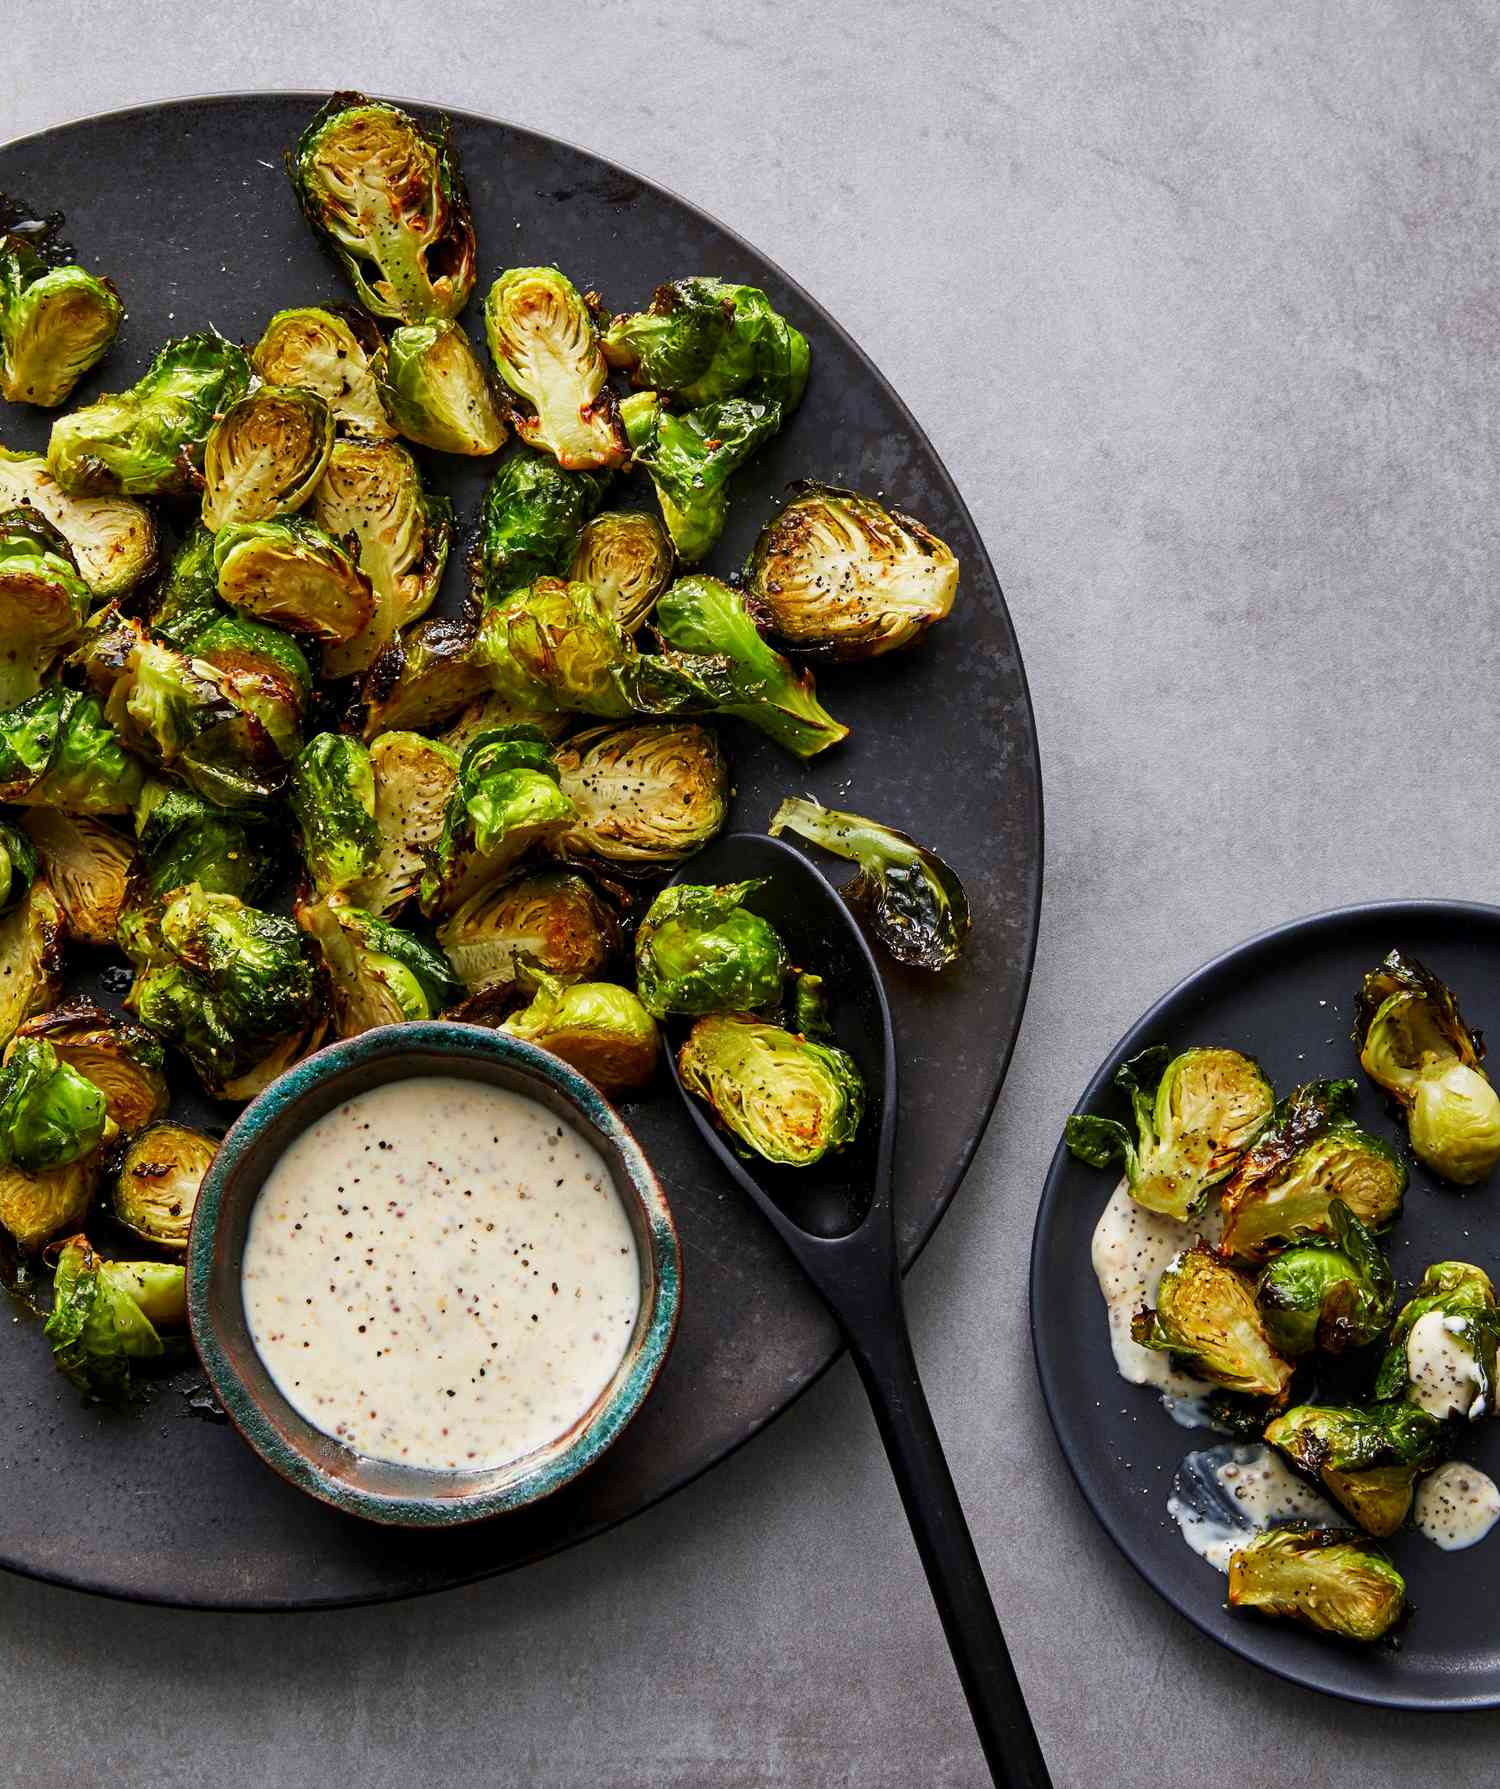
x=1033, y=822
x=1325, y=919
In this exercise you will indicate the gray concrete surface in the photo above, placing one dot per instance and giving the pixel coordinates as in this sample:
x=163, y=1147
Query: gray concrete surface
x=1201, y=303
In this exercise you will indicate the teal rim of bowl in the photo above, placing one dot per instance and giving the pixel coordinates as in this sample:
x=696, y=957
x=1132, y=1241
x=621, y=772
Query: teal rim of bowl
x=592, y=1436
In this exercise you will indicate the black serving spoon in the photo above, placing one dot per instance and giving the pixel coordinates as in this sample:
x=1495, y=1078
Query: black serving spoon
x=836, y=1218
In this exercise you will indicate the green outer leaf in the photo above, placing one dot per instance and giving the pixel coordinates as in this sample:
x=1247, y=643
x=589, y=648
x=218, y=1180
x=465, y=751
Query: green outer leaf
x=50, y=1114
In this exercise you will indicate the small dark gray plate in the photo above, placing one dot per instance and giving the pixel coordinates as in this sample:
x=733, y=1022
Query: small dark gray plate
x=188, y=208
x=1287, y=998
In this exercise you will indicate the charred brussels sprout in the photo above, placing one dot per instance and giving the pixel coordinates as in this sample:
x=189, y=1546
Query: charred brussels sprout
x=1369, y=1459
x=838, y=573
x=329, y=352
x=549, y=923
x=544, y=345
x=288, y=571
x=157, y=1181
x=233, y=988
x=18, y=867
x=1441, y=1355
x=703, y=339
x=88, y=866
x=424, y=677
x=530, y=521
x=265, y=454
x=648, y=795
x=113, y=539
x=333, y=802
x=435, y=391
x=601, y=1030
x=55, y=323
x=505, y=801
x=1285, y=1185
x=626, y=559
x=106, y=1314
x=182, y=837
x=1207, y=1314
x=1194, y=1113
x=58, y=750
x=123, y=1060
x=911, y=899
x=414, y=778
x=387, y=197
x=50, y=1115
x=707, y=621
x=1414, y=1044
x=31, y=960
x=148, y=441
x=44, y=602
x=377, y=974
x=1330, y=1293
x=784, y=1097
x=701, y=950
x=1332, y=1579
x=690, y=458
x=554, y=646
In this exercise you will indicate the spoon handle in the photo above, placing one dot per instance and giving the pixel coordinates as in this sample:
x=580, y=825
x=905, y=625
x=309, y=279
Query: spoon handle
x=883, y=1353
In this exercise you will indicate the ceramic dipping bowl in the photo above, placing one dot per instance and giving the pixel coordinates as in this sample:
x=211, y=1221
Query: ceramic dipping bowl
x=384, y=1491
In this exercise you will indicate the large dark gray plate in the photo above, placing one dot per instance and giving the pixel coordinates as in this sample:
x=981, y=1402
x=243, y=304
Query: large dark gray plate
x=187, y=207
x=1287, y=998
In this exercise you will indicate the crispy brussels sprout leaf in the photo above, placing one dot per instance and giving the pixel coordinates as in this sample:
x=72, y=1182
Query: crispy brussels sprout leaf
x=105, y=1316
x=31, y=963
x=148, y=441
x=550, y=923
x=1369, y=1459
x=626, y=559
x=157, y=1181
x=50, y=1114
x=265, y=454
x=910, y=898
x=691, y=457
x=18, y=867
x=1207, y=1314
x=333, y=802
x=544, y=345
x=387, y=197
x=378, y=974
x=1442, y=1351
x=290, y=572
x=55, y=323
x=700, y=950
x=329, y=352
x=435, y=391
x=784, y=1097
x=182, y=837
x=1329, y=1293
x=88, y=865
x=647, y=796
x=414, y=780
x=1334, y=1580
x=424, y=677
x=529, y=523
x=44, y=602
x=113, y=539
x=58, y=750
x=123, y=1060
x=601, y=1030
x=704, y=339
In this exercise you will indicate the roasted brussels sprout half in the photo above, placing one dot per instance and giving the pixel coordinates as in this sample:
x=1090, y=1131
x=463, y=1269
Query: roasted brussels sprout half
x=505, y=801
x=414, y=778
x=707, y=621
x=157, y=1181
x=435, y=391
x=1414, y=1044
x=235, y=989
x=701, y=950
x=647, y=795
x=704, y=339
x=1194, y=1113
x=836, y=572
x=910, y=898
x=1329, y=1293
x=333, y=802
x=387, y=197
x=265, y=454
x=784, y=1097
x=88, y=865
x=544, y=345
x=55, y=323
x=555, y=646
x=377, y=974
x=18, y=866
x=50, y=1114
x=122, y=1059
x=113, y=539
x=148, y=441
x=690, y=458
x=601, y=1029
x=424, y=677
x=1207, y=1314
x=1441, y=1354
x=31, y=962
x=182, y=837
x=530, y=521
x=626, y=559
x=58, y=750
x=1369, y=1459
x=1335, y=1580
x=1285, y=1184
x=288, y=571
x=44, y=602
x=106, y=1314
x=329, y=352
x=550, y=923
